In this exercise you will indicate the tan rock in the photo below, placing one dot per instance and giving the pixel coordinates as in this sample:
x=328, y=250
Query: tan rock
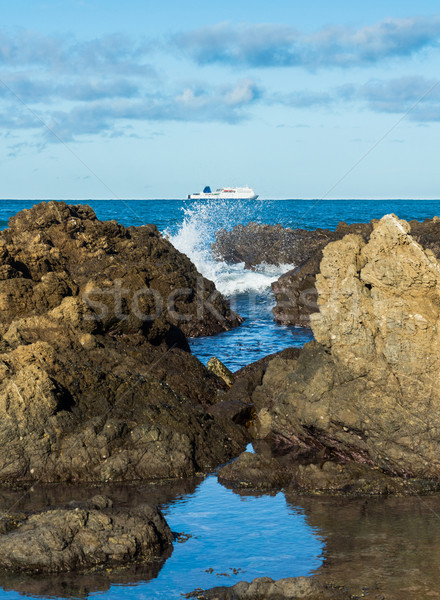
x=367, y=389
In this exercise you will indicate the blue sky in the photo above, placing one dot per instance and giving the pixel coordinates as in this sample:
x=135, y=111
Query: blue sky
x=138, y=99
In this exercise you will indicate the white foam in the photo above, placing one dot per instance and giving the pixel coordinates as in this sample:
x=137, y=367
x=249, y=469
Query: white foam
x=196, y=233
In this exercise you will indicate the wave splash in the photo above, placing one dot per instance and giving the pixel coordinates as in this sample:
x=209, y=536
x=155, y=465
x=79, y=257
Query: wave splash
x=196, y=233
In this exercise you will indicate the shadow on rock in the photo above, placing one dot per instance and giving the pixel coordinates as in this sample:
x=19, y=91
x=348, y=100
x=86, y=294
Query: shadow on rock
x=388, y=545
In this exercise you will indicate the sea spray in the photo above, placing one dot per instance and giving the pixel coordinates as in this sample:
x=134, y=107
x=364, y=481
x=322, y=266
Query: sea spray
x=249, y=291
x=196, y=233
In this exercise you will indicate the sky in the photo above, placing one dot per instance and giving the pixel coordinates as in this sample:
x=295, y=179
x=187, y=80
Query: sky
x=141, y=99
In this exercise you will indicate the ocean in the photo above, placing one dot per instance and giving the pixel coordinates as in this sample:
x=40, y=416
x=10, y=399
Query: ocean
x=235, y=536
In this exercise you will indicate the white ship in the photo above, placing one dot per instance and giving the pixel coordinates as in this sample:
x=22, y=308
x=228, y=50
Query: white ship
x=239, y=193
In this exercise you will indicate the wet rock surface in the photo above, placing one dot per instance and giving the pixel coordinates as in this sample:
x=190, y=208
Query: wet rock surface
x=235, y=404
x=90, y=389
x=265, y=588
x=364, y=391
x=82, y=536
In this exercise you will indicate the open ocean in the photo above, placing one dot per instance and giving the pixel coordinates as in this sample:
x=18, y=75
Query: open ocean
x=262, y=534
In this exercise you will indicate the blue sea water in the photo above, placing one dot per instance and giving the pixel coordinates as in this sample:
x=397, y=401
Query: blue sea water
x=254, y=535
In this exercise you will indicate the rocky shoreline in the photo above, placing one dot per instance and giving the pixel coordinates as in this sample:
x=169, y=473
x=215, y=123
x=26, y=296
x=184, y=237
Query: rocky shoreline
x=98, y=384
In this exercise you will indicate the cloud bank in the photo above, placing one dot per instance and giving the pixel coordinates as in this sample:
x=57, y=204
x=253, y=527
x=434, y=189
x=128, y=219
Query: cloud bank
x=103, y=86
x=275, y=45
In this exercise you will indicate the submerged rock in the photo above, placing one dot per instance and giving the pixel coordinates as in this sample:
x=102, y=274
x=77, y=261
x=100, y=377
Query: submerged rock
x=365, y=390
x=89, y=534
x=95, y=384
x=264, y=588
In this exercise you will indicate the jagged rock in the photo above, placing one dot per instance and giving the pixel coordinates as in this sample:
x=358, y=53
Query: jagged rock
x=264, y=588
x=133, y=279
x=86, y=535
x=219, y=369
x=295, y=291
x=365, y=391
x=90, y=390
x=295, y=294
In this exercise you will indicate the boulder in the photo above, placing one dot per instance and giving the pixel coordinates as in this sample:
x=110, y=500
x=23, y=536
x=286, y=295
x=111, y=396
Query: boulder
x=85, y=535
x=295, y=294
x=217, y=367
x=236, y=404
x=365, y=391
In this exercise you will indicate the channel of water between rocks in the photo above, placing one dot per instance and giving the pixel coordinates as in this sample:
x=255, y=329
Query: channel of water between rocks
x=388, y=545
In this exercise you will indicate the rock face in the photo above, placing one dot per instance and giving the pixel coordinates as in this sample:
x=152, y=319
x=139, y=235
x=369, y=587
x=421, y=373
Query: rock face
x=91, y=389
x=366, y=390
x=236, y=404
x=265, y=588
x=295, y=291
x=91, y=534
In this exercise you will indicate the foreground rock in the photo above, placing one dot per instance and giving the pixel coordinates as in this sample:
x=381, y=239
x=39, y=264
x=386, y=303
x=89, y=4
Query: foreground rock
x=91, y=534
x=96, y=384
x=235, y=404
x=265, y=588
x=254, y=471
x=365, y=391
x=271, y=471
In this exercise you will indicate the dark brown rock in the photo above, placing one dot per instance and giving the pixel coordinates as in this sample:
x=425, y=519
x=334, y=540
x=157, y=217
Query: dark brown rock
x=235, y=404
x=255, y=244
x=296, y=295
x=133, y=279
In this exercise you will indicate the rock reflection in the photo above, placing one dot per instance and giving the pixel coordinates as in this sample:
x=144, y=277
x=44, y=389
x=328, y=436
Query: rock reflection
x=391, y=546
x=46, y=495
x=81, y=585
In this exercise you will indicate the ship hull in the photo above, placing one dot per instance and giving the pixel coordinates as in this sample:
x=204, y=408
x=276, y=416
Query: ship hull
x=222, y=196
